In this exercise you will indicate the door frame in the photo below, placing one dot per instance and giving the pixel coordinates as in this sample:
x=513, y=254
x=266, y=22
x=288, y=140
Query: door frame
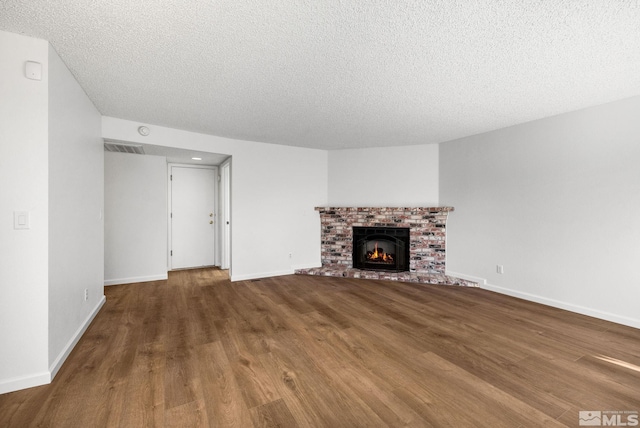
x=216, y=239
x=225, y=215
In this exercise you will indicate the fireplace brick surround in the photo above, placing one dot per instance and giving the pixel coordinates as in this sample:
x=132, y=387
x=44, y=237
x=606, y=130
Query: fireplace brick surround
x=427, y=231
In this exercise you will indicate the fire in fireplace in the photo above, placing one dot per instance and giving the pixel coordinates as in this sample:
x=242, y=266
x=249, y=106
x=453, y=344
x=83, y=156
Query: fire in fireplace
x=381, y=248
x=379, y=256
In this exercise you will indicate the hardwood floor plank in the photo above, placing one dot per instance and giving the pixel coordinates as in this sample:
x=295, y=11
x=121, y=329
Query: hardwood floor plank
x=492, y=366
x=336, y=318
x=292, y=297
x=181, y=377
x=417, y=399
x=302, y=381
x=190, y=414
x=218, y=297
x=201, y=325
x=236, y=341
x=146, y=389
x=572, y=382
x=307, y=410
x=222, y=396
x=381, y=400
x=332, y=362
x=154, y=319
x=253, y=381
x=478, y=398
x=273, y=414
x=619, y=371
x=448, y=396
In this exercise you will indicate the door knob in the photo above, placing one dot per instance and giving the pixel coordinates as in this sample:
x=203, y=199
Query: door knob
x=211, y=222
x=210, y=214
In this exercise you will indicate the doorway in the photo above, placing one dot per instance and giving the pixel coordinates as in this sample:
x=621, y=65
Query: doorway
x=192, y=216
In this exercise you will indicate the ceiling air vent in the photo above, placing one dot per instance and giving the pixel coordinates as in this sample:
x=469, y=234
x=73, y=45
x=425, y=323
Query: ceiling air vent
x=123, y=148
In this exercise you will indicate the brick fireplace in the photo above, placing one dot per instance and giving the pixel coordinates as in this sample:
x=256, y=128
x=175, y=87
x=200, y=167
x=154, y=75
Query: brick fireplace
x=427, y=242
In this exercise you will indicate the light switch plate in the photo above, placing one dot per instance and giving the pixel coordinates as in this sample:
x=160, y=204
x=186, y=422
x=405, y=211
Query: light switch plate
x=21, y=220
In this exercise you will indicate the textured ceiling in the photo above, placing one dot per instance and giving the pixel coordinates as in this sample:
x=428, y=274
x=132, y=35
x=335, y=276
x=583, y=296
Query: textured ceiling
x=340, y=73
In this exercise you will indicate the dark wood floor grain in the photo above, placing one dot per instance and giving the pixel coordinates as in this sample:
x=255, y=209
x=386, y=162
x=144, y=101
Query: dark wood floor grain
x=307, y=351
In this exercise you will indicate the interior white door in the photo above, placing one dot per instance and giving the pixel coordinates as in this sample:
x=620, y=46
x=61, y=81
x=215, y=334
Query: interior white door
x=192, y=217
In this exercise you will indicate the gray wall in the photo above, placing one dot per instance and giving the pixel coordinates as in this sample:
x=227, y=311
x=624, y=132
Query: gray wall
x=404, y=176
x=23, y=186
x=76, y=230
x=50, y=166
x=556, y=202
x=135, y=198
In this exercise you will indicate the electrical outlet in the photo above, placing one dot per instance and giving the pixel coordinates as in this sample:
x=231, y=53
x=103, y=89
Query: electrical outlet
x=290, y=255
x=500, y=269
x=86, y=294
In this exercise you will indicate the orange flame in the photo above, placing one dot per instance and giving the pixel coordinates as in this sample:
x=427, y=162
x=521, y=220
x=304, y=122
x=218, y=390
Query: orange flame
x=375, y=254
x=380, y=255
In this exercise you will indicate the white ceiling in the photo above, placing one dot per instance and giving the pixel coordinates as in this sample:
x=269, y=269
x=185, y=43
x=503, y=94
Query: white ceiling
x=341, y=73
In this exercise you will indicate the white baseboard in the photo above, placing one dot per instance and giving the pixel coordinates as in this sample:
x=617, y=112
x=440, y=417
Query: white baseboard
x=619, y=319
x=43, y=378
x=62, y=357
x=134, y=279
x=24, y=382
x=259, y=275
x=250, y=276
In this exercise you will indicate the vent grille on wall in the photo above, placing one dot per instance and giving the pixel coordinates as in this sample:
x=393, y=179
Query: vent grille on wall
x=124, y=148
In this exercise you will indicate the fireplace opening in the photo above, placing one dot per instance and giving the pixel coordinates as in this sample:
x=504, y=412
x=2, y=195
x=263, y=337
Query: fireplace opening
x=381, y=248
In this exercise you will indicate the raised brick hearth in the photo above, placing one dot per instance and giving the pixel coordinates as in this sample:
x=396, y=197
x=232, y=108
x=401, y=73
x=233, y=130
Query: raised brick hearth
x=427, y=232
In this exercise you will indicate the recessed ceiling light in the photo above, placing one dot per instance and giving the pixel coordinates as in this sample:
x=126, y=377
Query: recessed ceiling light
x=196, y=158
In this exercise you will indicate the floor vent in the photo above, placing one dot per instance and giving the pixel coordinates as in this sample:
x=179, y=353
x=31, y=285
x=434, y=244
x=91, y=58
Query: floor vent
x=124, y=148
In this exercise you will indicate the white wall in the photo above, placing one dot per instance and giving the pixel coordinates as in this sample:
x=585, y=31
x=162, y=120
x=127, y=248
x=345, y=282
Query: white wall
x=274, y=191
x=51, y=166
x=390, y=176
x=76, y=231
x=555, y=201
x=23, y=186
x=135, y=198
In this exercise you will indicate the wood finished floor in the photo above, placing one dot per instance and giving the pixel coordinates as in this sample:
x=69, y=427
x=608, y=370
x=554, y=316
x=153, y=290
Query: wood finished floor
x=197, y=351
